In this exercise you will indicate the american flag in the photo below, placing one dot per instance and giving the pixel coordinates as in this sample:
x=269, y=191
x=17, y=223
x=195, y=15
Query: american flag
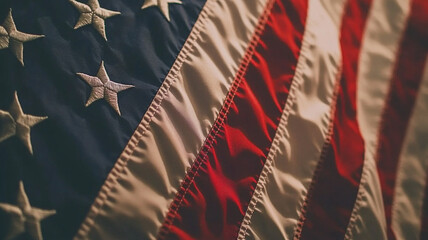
x=214, y=119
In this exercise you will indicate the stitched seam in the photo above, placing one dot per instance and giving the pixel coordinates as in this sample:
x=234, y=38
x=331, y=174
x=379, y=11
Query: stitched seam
x=217, y=126
x=362, y=192
x=154, y=107
x=357, y=205
x=306, y=201
x=377, y=147
x=267, y=168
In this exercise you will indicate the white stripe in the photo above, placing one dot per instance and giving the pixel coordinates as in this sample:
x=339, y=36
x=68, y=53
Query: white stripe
x=135, y=198
x=381, y=39
x=275, y=207
x=412, y=170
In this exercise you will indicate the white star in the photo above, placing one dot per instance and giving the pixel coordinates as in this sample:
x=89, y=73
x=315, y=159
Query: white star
x=11, y=38
x=103, y=87
x=162, y=5
x=24, y=217
x=16, y=122
x=92, y=13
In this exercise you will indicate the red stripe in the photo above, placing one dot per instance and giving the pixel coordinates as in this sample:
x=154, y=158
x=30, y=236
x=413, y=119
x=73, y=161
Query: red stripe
x=402, y=96
x=424, y=222
x=215, y=194
x=334, y=189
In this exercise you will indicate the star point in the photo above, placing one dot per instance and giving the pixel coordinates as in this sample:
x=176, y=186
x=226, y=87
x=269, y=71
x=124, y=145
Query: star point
x=92, y=13
x=24, y=217
x=163, y=6
x=16, y=122
x=11, y=38
x=103, y=87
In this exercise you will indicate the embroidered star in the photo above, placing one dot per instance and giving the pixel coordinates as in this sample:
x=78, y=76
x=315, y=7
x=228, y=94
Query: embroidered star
x=16, y=122
x=103, y=87
x=11, y=38
x=162, y=5
x=24, y=217
x=92, y=13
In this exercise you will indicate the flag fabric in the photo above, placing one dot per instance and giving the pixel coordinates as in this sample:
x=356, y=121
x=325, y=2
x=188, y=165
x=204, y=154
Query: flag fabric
x=214, y=119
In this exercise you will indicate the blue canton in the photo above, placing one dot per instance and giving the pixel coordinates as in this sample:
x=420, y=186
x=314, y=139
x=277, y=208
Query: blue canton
x=111, y=54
